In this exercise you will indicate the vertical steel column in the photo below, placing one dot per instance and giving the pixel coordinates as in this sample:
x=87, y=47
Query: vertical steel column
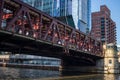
x=1, y=12
x=40, y=26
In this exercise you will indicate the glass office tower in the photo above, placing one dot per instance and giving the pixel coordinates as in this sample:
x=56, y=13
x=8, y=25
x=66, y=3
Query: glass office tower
x=75, y=13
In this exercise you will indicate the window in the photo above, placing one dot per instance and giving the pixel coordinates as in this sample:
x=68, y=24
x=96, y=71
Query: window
x=110, y=61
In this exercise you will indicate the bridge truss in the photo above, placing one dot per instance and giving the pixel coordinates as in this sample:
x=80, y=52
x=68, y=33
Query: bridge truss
x=19, y=18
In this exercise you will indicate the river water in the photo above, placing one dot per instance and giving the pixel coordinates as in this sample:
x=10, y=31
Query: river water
x=36, y=74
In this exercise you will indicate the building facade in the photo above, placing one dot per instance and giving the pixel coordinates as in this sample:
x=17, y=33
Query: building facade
x=75, y=13
x=103, y=27
x=118, y=48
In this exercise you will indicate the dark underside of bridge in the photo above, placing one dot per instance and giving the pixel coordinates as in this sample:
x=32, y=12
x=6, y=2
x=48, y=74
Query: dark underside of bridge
x=19, y=44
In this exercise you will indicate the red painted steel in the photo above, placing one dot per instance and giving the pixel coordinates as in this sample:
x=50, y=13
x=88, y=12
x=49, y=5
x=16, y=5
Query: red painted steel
x=22, y=19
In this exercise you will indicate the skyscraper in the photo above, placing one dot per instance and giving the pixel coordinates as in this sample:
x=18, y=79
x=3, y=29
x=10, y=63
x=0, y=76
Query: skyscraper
x=75, y=13
x=103, y=27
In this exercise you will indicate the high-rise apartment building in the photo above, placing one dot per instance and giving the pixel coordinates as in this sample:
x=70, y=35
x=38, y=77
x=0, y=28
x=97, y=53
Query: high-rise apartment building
x=75, y=13
x=103, y=27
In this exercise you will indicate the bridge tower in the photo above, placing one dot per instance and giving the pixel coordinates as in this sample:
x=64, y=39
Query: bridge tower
x=110, y=62
x=111, y=59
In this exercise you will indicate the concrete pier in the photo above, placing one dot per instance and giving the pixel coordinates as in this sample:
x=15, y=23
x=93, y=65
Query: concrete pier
x=109, y=64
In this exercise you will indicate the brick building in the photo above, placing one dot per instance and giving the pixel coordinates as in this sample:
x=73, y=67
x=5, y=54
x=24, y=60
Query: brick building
x=103, y=27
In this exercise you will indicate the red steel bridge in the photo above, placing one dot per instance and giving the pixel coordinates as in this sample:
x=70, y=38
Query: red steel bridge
x=24, y=29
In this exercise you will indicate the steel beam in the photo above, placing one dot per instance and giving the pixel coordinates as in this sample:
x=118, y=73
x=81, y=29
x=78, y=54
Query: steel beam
x=29, y=16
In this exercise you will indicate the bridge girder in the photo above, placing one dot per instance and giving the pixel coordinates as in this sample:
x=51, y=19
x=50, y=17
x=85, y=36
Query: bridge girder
x=40, y=32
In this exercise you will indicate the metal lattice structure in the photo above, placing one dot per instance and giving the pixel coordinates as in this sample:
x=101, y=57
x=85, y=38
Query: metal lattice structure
x=19, y=18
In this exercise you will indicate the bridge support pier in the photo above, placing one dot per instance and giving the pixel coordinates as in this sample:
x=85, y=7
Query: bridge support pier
x=110, y=63
x=102, y=66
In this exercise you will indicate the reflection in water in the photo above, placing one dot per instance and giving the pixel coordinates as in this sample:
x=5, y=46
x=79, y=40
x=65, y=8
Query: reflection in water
x=36, y=74
x=93, y=77
x=84, y=77
x=17, y=73
x=111, y=77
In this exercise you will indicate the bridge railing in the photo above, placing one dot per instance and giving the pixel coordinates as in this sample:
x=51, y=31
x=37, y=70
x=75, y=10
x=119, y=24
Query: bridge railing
x=20, y=18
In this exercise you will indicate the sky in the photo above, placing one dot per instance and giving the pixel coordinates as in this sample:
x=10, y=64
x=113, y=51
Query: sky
x=114, y=6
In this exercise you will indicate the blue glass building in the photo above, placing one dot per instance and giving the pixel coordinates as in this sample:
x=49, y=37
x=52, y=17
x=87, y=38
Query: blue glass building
x=75, y=13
